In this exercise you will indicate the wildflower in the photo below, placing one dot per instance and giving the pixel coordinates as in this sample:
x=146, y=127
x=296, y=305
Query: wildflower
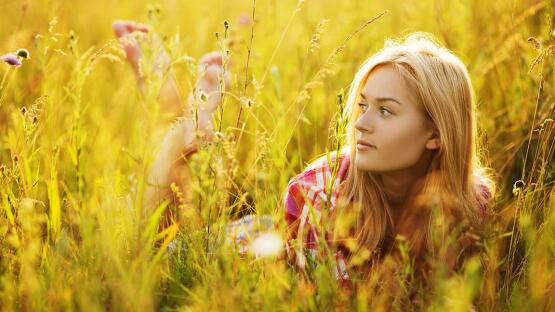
x=11, y=59
x=219, y=136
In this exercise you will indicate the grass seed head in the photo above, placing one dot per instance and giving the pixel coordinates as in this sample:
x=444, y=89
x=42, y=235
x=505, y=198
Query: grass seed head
x=518, y=186
x=202, y=96
x=23, y=53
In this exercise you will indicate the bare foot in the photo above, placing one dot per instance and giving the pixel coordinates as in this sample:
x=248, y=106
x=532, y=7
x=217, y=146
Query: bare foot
x=169, y=94
x=122, y=29
x=210, y=73
x=185, y=137
x=210, y=67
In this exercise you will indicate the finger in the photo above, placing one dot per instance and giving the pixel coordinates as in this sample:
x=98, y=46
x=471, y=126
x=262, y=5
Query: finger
x=142, y=27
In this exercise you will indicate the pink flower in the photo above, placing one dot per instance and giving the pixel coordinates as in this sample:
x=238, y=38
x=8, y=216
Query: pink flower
x=244, y=20
x=11, y=59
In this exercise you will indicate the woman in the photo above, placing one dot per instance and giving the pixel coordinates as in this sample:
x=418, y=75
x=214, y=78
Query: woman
x=412, y=147
x=411, y=156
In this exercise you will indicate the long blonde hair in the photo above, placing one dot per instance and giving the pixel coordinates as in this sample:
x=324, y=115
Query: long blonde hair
x=444, y=91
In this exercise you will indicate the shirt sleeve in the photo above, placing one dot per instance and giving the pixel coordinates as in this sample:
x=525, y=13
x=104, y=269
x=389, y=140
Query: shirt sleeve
x=302, y=204
x=304, y=200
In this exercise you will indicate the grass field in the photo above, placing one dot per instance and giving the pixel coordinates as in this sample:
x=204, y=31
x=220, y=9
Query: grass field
x=77, y=137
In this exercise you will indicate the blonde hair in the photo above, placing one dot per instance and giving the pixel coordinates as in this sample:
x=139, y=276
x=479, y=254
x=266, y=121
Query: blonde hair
x=443, y=89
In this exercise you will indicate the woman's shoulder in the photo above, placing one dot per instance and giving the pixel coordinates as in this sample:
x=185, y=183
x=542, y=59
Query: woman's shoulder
x=311, y=185
x=324, y=167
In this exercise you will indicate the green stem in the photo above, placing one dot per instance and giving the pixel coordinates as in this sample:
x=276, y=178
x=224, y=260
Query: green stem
x=2, y=85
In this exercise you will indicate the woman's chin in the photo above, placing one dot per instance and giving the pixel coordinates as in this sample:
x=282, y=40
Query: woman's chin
x=363, y=164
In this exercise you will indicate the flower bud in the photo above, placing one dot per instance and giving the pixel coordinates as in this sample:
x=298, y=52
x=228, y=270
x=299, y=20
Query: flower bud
x=11, y=59
x=23, y=53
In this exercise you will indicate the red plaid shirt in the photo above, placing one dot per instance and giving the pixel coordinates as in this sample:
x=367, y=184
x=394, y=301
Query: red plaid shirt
x=307, y=193
x=306, y=190
x=304, y=199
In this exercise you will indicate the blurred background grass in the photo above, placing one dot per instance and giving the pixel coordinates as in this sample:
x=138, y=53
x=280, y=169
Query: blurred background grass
x=78, y=136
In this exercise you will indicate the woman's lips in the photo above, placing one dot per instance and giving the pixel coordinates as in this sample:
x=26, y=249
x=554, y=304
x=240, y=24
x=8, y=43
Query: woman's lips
x=364, y=146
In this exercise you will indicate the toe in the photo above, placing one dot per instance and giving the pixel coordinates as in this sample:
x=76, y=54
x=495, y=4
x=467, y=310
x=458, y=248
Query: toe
x=118, y=28
x=123, y=27
x=142, y=27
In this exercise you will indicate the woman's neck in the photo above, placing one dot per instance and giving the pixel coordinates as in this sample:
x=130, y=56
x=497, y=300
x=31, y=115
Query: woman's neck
x=400, y=185
x=397, y=188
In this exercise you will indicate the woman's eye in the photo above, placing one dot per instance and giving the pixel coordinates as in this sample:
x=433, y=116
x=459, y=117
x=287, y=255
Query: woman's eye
x=362, y=106
x=384, y=111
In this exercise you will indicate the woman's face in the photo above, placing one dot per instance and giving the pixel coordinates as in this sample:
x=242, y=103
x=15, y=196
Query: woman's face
x=392, y=123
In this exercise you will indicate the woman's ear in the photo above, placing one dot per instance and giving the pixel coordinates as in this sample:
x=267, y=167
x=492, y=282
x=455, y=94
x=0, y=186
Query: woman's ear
x=433, y=142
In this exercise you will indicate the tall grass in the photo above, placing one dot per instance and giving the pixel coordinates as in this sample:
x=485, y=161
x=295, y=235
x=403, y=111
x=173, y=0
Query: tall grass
x=78, y=136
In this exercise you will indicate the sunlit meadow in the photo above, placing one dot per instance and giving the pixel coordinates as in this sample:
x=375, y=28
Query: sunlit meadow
x=77, y=137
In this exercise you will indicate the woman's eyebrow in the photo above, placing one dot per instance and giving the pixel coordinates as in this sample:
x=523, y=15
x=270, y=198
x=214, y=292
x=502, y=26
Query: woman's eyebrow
x=382, y=99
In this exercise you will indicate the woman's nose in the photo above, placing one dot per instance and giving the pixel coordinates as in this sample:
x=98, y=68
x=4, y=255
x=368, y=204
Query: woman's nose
x=363, y=123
